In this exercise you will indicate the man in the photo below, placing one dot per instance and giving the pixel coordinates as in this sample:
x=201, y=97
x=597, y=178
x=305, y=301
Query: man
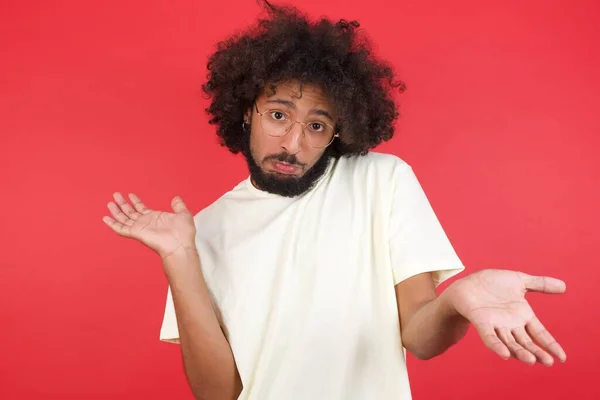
x=309, y=279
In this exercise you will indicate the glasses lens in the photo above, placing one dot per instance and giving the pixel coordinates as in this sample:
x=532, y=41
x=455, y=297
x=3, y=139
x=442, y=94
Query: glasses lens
x=275, y=123
x=318, y=134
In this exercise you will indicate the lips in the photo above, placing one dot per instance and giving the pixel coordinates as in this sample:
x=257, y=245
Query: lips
x=284, y=168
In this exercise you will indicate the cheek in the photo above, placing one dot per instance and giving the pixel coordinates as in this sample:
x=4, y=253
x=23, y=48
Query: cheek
x=314, y=157
x=259, y=147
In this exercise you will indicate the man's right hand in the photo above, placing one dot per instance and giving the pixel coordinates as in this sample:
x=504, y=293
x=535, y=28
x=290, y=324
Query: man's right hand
x=164, y=232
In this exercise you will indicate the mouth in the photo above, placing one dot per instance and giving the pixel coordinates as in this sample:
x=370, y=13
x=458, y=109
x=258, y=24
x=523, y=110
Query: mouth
x=285, y=168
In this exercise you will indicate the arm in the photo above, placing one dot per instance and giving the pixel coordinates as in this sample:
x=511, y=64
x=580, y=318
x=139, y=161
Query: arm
x=493, y=301
x=207, y=358
x=428, y=323
x=418, y=244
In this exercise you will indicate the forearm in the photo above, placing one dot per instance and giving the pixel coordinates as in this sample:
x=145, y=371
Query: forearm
x=208, y=361
x=434, y=328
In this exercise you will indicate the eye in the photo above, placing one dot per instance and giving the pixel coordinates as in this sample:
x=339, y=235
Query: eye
x=316, y=127
x=277, y=115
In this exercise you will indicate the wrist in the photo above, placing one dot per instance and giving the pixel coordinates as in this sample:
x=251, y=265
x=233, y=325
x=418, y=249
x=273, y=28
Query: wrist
x=182, y=252
x=180, y=260
x=455, y=323
x=447, y=307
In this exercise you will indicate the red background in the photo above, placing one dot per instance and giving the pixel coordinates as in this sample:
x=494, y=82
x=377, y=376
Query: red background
x=500, y=122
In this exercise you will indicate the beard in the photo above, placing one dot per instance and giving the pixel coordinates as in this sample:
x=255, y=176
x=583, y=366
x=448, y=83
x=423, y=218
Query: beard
x=284, y=185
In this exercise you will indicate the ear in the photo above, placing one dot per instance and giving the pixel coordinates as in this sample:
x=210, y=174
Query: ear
x=248, y=116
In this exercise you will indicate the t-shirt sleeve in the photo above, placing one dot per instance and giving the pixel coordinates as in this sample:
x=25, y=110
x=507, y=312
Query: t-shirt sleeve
x=418, y=242
x=169, y=332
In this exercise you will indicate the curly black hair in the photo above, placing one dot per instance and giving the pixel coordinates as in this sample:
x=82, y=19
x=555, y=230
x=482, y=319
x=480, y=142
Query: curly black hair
x=286, y=45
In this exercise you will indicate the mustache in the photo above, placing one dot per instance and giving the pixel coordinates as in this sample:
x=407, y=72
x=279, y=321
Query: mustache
x=286, y=158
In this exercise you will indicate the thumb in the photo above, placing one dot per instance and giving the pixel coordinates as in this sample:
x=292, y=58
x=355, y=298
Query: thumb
x=543, y=284
x=178, y=205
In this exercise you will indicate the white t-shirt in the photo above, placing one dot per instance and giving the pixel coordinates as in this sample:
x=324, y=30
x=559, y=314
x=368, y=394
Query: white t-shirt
x=305, y=286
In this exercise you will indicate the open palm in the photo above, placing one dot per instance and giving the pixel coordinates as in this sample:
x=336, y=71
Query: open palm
x=494, y=302
x=164, y=232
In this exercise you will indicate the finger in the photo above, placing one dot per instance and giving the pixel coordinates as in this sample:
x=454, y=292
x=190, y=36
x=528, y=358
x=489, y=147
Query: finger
x=119, y=228
x=138, y=204
x=525, y=341
x=118, y=214
x=178, y=205
x=540, y=335
x=125, y=206
x=490, y=339
x=515, y=348
x=543, y=284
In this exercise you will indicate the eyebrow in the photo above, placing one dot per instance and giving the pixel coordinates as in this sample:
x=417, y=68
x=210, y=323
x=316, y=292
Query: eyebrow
x=291, y=105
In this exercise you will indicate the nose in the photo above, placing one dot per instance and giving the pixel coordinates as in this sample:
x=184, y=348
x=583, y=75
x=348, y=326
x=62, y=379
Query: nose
x=292, y=140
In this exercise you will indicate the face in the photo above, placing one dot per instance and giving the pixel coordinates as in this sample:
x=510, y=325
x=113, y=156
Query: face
x=289, y=164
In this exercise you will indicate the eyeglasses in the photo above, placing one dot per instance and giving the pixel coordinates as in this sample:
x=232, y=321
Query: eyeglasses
x=277, y=123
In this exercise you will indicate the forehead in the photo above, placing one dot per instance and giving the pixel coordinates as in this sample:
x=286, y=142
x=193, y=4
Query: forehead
x=302, y=95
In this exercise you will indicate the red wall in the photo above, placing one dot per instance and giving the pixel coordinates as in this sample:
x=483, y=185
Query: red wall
x=500, y=122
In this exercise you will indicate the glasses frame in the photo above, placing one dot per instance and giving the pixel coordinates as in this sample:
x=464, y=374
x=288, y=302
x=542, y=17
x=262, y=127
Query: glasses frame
x=302, y=124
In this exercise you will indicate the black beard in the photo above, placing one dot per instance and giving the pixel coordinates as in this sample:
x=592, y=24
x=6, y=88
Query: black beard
x=282, y=185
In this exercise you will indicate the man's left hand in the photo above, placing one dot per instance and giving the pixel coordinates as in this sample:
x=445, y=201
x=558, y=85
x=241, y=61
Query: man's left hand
x=493, y=301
